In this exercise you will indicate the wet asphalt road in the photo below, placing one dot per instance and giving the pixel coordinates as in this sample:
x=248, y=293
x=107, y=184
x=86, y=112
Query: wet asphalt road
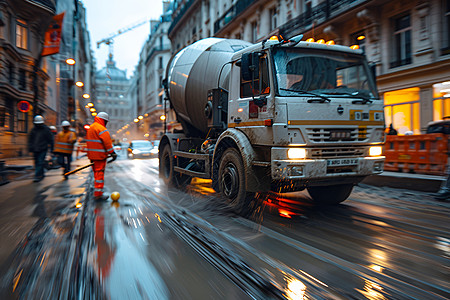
x=160, y=243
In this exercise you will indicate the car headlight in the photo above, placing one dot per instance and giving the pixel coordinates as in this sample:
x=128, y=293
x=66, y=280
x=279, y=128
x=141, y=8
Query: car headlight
x=136, y=151
x=296, y=153
x=154, y=151
x=375, y=151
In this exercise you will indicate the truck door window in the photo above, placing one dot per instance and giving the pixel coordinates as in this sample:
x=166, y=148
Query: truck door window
x=260, y=85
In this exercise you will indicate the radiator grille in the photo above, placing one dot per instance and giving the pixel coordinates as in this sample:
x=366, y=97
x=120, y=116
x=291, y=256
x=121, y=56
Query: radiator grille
x=337, y=135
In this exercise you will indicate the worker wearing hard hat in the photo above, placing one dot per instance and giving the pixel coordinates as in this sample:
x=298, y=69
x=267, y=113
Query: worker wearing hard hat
x=99, y=146
x=39, y=141
x=64, y=146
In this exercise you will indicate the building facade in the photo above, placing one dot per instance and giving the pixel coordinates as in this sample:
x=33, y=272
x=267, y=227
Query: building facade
x=407, y=41
x=22, y=78
x=148, y=78
x=111, y=95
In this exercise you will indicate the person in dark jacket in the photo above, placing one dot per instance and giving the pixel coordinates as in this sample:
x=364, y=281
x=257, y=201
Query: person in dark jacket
x=39, y=140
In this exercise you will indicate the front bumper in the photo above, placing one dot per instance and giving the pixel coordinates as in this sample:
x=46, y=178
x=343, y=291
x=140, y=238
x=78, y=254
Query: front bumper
x=319, y=169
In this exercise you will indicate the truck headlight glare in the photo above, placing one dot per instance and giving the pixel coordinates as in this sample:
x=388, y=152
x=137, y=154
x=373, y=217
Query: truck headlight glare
x=296, y=153
x=375, y=151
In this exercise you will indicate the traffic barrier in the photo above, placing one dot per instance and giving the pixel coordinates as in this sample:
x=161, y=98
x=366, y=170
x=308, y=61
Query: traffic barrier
x=422, y=154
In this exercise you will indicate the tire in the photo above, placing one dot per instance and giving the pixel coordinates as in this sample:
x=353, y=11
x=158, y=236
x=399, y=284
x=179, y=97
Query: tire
x=330, y=195
x=167, y=172
x=232, y=182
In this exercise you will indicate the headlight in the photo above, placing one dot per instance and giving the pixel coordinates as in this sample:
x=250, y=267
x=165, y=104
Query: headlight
x=154, y=151
x=136, y=151
x=296, y=153
x=375, y=151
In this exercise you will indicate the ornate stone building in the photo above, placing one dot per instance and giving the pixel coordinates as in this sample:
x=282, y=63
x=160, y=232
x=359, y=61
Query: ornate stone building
x=407, y=40
x=22, y=78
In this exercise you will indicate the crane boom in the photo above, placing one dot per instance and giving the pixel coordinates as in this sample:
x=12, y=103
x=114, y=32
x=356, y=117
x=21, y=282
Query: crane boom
x=109, y=39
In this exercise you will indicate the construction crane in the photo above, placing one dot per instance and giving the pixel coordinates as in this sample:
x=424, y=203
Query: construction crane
x=109, y=40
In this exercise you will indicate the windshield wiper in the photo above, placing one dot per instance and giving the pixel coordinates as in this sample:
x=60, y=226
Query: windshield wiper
x=322, y=98
x=363, y=99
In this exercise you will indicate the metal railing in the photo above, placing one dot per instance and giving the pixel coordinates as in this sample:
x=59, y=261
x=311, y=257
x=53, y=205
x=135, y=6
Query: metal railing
x=232, y=13
x=180, y=15
x=320, y=13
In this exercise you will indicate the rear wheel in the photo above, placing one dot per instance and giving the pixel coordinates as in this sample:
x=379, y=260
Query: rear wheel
x=330, y=195
x=232, y=181
x=167, y=172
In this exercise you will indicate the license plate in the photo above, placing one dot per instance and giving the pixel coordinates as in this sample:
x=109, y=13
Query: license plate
x=146, y=154
x=342, y=162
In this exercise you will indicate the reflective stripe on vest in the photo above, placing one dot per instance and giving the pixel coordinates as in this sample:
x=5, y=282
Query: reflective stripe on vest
x=103, y=132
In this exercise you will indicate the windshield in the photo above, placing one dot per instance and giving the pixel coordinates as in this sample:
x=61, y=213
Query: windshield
x=335, y=73
x=141, y=144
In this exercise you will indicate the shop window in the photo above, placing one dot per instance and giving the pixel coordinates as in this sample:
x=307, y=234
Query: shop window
x=402, y=110
x=401, y=52
x=446, y=28
x=6, y=117
x=21, y=34
x=441, y=101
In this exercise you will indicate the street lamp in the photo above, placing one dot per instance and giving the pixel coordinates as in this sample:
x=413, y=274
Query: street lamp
x=79, y=84
x=90, y=104
x=140, y=117
x=92, y=109
x=70, y=61
x=162, y=117
x=136, y=120
x=86, y=96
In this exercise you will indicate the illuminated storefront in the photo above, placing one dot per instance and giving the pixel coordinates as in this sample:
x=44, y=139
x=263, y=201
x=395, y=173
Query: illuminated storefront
x=441, y=100
x=402, y=109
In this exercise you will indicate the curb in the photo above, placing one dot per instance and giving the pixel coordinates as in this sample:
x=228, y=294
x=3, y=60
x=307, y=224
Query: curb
x=416, y=182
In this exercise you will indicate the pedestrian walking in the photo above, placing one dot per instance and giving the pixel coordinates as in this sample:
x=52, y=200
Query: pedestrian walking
x=39, y=142
x=64, y=146
x=99, y=146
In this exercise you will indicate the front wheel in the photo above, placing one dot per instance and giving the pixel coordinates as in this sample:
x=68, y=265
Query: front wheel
x=330, y=195
x=232, y=181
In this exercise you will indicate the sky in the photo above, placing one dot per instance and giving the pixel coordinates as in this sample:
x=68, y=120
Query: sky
x=106, y=17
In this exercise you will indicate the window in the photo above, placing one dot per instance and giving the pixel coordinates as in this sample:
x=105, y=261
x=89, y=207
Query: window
x=402, y=110
x=441, y=101
x=22, y=80
x=21, y=34
x=259, y=86
x=273, y=19
x=401, y=52
x=254, y=31
x=22, y=121
x=6, y=116
x=446, y=28
x=11, y=74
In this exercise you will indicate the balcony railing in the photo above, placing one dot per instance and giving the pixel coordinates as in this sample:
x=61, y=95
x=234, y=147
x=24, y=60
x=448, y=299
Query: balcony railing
x=320, y=13
x=232, y=13
x=156, y=49
x=180, y=15
x=47, y=3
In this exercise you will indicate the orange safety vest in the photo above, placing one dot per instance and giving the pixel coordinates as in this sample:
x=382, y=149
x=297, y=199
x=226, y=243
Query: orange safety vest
x=64, y=142
x=98, y=141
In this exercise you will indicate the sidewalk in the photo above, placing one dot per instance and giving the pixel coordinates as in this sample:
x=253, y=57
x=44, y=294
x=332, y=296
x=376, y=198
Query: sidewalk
x=34, y=214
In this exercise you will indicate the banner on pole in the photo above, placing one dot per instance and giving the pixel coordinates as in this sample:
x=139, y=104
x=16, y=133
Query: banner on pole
x=53, y=36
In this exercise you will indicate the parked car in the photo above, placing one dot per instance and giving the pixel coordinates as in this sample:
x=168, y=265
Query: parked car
x=141, y=149
x=442, y=126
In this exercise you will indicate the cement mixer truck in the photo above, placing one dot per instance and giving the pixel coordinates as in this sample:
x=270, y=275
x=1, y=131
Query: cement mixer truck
x=280, y=115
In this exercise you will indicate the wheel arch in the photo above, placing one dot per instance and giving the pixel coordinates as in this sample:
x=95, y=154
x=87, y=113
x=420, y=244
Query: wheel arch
x=238, y=140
